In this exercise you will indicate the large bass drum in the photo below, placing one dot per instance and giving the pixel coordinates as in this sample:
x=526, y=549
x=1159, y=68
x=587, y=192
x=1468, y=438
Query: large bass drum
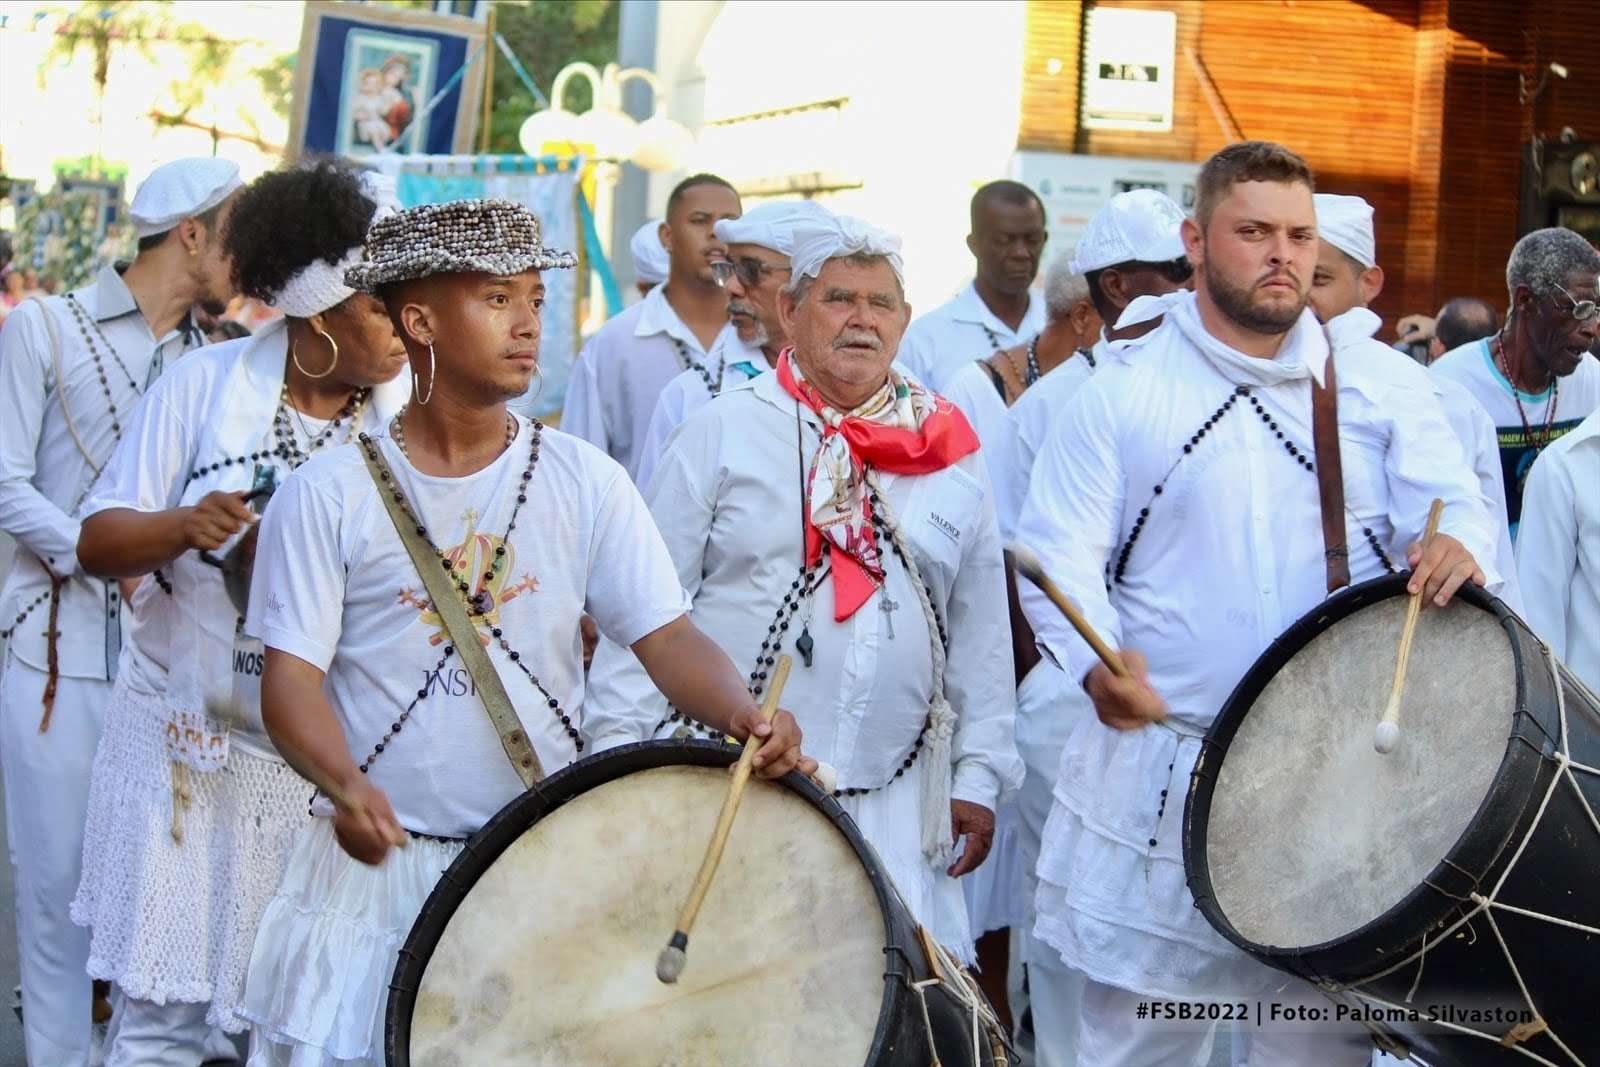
x=538, y=947
x=1446, y=894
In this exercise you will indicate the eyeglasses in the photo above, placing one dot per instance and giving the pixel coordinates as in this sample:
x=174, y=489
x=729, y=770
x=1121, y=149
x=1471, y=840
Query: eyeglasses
x=749, y=269
x=1582, y=310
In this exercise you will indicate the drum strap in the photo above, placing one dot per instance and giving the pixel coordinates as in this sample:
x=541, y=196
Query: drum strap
x=446, y=601
x=1330, y=473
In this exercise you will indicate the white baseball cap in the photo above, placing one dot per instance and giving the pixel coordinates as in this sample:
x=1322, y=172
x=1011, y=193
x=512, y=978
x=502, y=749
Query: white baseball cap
x=1138, y=226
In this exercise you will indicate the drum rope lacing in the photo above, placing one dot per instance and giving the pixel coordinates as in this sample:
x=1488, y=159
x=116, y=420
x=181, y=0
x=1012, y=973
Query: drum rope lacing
x=962, y=989
x=1486, y=904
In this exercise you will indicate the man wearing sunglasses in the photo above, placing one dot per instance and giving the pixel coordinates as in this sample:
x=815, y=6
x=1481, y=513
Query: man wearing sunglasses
x=759, y=244
x=1535, y=377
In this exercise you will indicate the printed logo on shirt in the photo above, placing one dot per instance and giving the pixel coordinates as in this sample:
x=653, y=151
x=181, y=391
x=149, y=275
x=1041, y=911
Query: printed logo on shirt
x=273, y=603
x=478, y=554
x=944, y=526
x=248, y=663
x=1517, y=452
x=451, y=683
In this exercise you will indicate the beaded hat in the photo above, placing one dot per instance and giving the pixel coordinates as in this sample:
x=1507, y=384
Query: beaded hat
x=488, y=236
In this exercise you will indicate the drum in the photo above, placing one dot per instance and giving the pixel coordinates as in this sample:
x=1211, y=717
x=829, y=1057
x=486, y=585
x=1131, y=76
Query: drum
x=1447, y=894
x=538, y=947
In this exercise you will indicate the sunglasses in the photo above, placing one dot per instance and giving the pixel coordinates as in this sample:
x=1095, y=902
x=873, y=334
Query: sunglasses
x=1582, y=310
x=749, y=270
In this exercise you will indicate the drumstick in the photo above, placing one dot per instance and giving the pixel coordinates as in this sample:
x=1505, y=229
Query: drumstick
x=1387, y=735
x=230, y=713
x=1027, y=564
x=671, y=961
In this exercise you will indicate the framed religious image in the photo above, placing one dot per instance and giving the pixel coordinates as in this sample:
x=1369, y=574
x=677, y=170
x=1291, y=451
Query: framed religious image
x=374, y=80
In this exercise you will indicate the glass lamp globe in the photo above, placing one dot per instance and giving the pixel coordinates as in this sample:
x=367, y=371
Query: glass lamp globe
x=662, y=144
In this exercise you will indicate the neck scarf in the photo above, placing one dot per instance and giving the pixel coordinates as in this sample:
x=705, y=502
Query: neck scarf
x=902, y=428
x=1302, y=355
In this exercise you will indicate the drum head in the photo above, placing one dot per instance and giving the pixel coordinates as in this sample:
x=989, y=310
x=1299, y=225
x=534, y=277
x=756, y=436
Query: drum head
x=1312, y=834
x=549, y=957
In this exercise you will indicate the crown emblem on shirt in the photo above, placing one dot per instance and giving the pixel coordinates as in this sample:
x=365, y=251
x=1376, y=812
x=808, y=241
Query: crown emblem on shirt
x=487, y=574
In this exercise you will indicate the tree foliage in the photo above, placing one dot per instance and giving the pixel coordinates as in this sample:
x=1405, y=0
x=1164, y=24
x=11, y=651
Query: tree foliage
x=547, y=36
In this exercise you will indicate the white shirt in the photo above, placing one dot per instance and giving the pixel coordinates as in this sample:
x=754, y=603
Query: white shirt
x=684, y=395
x=1036, y=411
x=213, y=407
x=334, y=586
x=624, y=367
x=1575, y=397
x=1558, y=550
x=43, y=472
x=972, y=390
x=1229, y=555
x=964, y=329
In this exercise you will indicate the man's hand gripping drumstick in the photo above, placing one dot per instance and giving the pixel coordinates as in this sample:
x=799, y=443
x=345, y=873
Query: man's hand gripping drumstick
x=1120, y=684
x=671, y=961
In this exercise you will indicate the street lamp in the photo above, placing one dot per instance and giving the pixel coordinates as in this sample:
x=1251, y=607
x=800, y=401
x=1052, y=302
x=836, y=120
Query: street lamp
x=659, y=143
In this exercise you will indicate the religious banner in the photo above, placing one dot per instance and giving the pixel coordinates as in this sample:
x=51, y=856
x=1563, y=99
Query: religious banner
x=373, y=80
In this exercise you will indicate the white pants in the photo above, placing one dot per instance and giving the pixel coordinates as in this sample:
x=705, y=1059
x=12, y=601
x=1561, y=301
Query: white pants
x=146, y=1034
x=46, y=797
x=1054, y=997
x=1112, y=1035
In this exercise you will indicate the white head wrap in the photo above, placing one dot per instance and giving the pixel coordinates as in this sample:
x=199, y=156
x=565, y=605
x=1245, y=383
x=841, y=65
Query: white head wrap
x=181, y=190
x=1345, y=222
x=319, y=285
x=650, y=260
x=771, y=225
x=818, y=240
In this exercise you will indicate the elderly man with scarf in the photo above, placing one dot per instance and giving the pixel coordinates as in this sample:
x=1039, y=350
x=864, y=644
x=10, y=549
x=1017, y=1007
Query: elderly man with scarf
x=838, y=512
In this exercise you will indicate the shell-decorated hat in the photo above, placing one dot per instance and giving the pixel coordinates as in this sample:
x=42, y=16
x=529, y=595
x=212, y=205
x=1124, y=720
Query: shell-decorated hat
x=462, y=236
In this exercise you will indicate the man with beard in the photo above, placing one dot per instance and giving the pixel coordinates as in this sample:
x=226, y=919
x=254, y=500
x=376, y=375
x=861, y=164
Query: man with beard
x=896, y=612
x=1534, y=377
x=1177, y=504
x=682, y=325
x=755, y=272
x=996, y=310
x=72, y=370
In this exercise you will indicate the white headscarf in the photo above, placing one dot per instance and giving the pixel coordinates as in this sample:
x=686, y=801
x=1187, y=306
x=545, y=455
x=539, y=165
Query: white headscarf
x=818, y=240
x=1345, y=222
x=771, y=225
x=319, y=285
x=650, y=261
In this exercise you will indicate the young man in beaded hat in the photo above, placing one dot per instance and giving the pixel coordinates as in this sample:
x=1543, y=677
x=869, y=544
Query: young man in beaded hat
x=72, y=369
x=363, y=686
x=1177, y=504
x=838, y=512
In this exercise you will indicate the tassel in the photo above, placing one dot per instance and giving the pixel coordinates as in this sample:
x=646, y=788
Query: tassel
x=52, y=654
x=936, y=784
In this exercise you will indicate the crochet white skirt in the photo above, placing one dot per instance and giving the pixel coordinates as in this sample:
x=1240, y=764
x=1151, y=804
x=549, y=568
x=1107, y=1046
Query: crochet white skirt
x=326, y=949
x=170, y=921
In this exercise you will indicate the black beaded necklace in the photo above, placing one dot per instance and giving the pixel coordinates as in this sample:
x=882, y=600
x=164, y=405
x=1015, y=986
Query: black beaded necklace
x=283, y=429
x=85, y=322
x=479, y=604
x=688, y=362
x=1296, y=453
x=1088, y=354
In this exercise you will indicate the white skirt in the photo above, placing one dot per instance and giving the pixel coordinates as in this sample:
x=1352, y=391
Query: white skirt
x=326, y=949
x=170, y=921
x=994, y=891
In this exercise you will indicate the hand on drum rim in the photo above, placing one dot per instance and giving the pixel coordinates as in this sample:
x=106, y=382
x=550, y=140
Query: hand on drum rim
x=976, y=823
x=1125, y=703
x=780, y=751
x=1439, y=570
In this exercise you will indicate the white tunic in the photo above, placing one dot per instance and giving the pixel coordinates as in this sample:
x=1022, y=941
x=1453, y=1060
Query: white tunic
x=335, y=587
x=938, y=342
x=1229, y=556
x=684, y=395
x=1038, y=410
x=44, y=474
x=972, y=390
x=1558, y=550
x=624, y=367
x=727, y=499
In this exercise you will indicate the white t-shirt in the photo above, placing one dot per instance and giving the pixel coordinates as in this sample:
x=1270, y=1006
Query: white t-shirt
x=334, y=586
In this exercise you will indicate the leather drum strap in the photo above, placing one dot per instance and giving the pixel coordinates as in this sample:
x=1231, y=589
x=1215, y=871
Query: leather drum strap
x=1330, y=474
x=447, y=602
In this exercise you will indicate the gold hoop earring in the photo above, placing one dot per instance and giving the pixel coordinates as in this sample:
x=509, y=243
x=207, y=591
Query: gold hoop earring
x=538, y=385
x=433, y=373
x=295, y=355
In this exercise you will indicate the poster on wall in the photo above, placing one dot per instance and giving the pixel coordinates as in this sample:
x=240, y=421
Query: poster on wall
x=367, y=73
x=1128, y=68
x=1074, y=187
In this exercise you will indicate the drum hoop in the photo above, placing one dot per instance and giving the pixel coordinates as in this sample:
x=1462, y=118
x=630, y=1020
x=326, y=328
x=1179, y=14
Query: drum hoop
x=1504, y=817
x=547, y=796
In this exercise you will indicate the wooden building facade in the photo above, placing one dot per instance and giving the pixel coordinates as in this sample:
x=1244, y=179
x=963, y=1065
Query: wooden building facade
x=1425, y=107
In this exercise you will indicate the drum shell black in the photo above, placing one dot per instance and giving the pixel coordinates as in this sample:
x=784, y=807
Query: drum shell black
x=1553, y=875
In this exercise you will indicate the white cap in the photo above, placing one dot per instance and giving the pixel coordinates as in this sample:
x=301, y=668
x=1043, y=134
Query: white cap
x=1345, y=222
x=650, y=261
x=1138, y=226
x=818, y=240
x=770, y=225
x=181, y=190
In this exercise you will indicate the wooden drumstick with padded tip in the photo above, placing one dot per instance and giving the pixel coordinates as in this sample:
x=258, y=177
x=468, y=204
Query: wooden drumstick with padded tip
x=670, y=962
x=1387, y=735
x=1025, y=563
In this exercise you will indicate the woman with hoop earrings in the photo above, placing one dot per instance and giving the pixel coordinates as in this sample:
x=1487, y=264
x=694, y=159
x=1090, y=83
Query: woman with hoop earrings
x=190, y=809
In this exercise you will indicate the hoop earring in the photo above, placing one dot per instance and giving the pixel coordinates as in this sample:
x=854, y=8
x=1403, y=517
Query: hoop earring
x=295, y=355
x=538, y=385
x=433, y=373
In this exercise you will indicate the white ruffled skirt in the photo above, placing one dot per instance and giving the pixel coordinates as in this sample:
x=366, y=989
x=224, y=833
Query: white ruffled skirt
x=1113, y=899
x=326, y=948
x=171, y=921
